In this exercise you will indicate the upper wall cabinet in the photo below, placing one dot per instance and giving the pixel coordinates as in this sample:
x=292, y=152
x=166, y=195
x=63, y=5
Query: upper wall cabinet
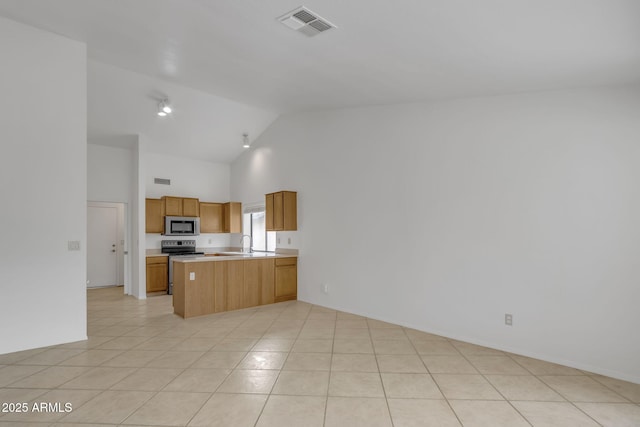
x=281, y=211
x=214, y=217
x=232, y=217
x=154, y=215
x=181, y=206
x=211, y=217
x=190, y=207
x=221, y=217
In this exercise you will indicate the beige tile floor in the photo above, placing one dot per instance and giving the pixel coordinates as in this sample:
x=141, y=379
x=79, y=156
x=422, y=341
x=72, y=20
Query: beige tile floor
x=292, y=364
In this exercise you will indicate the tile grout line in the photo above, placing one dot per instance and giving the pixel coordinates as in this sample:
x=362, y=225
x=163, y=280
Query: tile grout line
x=455, y=414
x=567, y=400
x=279, y=371
x=333, y=340
x=384, y=390
x=493, y=386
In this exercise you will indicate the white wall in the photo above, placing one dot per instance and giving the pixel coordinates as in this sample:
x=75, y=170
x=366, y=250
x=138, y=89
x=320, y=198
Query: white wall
x=446, y=216
x=43, y=185
x=206, y=181
x=109, y=173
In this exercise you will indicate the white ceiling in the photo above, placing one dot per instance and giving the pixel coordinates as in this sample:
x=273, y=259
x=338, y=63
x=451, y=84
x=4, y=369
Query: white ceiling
x=202, y=126
x=382, y=52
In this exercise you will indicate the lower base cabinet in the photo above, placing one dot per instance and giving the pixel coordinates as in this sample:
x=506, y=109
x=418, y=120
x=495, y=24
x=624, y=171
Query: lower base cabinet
x=230, y=285
x=258, y=282
x=286, y=279
x=234, y=284
x=157, y=274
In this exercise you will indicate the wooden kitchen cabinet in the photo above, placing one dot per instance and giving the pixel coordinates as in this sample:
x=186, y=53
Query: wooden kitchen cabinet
x=172, y=206
x=193, y=297
x=268, y=208
x=281, y=211
x=232, y=212
x=219, y=286
x=258, y=282
x=286, y=279
x=234, y=284
x=222, y=285
x=190, y=207
x=154, y=216
x=181, y=206
x=211, y=217
x=157, y=273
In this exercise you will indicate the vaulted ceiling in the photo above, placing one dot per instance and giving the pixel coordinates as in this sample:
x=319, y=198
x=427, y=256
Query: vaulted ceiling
x=236, y=51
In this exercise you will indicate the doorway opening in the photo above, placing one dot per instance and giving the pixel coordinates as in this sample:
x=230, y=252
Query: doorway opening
x=107, y=251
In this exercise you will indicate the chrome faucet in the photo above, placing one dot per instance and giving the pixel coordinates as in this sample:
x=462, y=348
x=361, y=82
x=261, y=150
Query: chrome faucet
x=242, y=242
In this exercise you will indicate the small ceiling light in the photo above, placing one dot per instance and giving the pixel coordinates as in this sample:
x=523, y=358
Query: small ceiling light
x=245, y=140
x=164, y=108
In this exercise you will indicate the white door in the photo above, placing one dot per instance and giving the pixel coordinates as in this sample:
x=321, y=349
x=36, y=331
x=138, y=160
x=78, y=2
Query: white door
x=102, y=237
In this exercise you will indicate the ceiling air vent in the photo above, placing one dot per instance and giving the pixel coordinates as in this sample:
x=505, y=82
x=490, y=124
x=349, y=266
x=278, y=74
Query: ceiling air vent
x=163, y=181
x=306, y=22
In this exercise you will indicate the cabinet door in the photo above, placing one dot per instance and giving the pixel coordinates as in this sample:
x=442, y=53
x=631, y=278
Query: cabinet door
x=154, y=216
x=252, y=282
x=232, y=217
x=199, y=292
x=211, y=218
x=235, y=284
x=219, y=286
x=157, y=274
x=268, y=281
x=268, y=204
x=278, y=213
x=258, y=282
x=172, y=206
x=289, y=211
x=286, y=279
x=190, y=207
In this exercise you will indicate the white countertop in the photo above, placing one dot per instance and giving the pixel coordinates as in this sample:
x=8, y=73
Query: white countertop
x=228, y=254
x=232, y=257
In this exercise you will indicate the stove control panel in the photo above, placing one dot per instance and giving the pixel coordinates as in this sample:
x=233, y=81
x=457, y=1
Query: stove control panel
x=177, y=243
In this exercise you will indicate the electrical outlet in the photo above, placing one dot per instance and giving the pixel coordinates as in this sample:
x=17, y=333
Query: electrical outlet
x=278, y=240
x=73, y=245
x=325, y=288
x=289, y=240
x=192, y=275
x=508, y=319
x=210, y=241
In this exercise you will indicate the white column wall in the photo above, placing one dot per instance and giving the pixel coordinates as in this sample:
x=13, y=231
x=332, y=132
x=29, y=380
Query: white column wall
x=43, y=187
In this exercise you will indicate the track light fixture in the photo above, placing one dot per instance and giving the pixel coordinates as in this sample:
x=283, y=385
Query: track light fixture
x=164, y=108
x=245, y=140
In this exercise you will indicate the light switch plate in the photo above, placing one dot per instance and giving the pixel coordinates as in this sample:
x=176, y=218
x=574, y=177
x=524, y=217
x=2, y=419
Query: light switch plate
x=192, y=275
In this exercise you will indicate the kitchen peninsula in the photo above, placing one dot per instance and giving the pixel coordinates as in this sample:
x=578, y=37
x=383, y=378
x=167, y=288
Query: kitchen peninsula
x=220, y=282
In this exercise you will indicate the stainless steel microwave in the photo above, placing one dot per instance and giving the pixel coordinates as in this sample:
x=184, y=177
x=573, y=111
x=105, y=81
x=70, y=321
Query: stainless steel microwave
x=181, y=226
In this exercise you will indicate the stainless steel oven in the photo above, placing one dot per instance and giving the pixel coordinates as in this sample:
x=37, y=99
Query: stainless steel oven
x=178, y=249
